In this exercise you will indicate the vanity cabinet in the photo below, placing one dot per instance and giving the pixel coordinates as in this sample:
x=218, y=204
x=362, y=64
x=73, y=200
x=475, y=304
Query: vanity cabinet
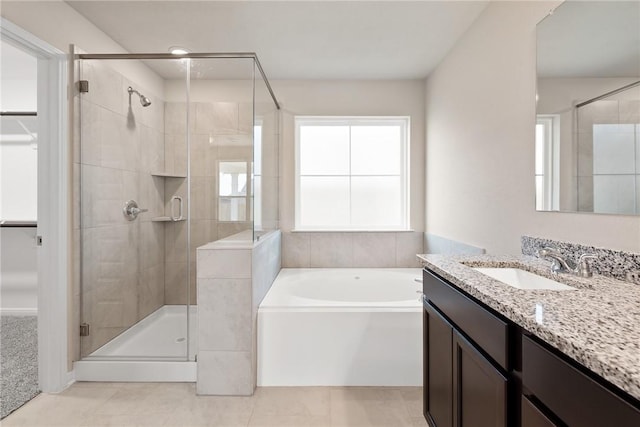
x=482, y=370
x=532, y=416
x=569, y=394
x=463, y=385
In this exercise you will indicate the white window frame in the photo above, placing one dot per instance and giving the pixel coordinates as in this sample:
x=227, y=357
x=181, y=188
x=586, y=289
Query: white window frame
x=551, y=165
x=405, y=126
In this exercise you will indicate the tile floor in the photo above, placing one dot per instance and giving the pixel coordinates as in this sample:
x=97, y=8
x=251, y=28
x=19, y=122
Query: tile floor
x=176, y=404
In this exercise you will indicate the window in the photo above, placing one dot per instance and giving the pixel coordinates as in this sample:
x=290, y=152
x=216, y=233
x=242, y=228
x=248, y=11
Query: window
x=351, y=173
x=232, y=190
x=546, y=162
x=235, y=203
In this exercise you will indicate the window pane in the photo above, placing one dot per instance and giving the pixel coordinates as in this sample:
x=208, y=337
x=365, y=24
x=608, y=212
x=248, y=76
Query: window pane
x=375, y=150
x=540, y=144
x=324, y=150
x=539, y=192
x=376, y=201
x=257, y=150
x=232, y=209
x=324, y=201
x=614, y=149
x=233, y=179
x=256, y=206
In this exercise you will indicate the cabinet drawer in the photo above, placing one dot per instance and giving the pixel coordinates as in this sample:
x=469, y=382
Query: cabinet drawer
x=486, y=330
x=574, y=397
x=533, y=417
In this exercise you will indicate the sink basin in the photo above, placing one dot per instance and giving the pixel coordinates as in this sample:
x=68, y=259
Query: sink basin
x=522, y=279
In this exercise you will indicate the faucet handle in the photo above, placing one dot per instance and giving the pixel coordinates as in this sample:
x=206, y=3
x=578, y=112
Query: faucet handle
x=584, y=269
x=546, y=251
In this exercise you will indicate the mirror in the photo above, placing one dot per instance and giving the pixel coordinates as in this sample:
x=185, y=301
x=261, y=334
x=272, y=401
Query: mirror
x=588, y=108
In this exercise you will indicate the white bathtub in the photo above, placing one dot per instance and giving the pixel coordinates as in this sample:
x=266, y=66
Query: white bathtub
x=342, y=327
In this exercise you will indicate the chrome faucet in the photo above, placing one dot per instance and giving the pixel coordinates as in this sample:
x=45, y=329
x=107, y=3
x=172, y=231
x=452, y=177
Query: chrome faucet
x=561, y=264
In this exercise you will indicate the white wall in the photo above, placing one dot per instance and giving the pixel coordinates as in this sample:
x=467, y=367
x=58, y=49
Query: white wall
x=480, y=115
x=351, y=98
x=60, y=25
x=18, y=158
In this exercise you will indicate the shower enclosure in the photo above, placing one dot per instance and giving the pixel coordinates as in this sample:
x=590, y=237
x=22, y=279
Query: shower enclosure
x=607, y=139
x=162, y=167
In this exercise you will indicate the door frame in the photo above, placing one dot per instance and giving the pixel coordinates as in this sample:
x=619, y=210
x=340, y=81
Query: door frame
x=54, y=212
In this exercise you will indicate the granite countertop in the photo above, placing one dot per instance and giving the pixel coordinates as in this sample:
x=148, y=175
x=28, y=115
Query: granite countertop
x=598, y=324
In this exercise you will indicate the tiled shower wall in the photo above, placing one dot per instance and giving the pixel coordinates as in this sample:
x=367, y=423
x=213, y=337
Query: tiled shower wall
x=609, y=156
x=220, y=131
x=122, y=261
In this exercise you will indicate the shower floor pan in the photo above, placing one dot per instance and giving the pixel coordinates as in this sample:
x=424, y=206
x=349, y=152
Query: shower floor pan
x=154, y=349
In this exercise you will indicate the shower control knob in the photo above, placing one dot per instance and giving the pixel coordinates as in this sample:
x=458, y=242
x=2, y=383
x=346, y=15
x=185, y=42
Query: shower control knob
x=131, y=210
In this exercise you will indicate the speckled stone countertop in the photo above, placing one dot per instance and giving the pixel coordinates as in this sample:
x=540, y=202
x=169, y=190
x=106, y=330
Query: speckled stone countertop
x=598, y=324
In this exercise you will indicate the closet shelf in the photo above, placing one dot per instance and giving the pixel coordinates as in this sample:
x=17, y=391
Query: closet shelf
x=168, y=175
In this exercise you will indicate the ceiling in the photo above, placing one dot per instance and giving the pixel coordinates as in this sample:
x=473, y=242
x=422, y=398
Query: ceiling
x=295, y=39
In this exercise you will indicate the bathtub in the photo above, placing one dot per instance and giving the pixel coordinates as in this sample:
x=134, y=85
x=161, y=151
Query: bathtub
x=341, y=327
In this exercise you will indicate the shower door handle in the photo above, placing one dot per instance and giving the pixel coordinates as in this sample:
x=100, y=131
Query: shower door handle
x=179, y=216
x=131, y=210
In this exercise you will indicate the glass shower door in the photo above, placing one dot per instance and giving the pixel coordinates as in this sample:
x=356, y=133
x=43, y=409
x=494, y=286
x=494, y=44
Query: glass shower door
x=133, y=223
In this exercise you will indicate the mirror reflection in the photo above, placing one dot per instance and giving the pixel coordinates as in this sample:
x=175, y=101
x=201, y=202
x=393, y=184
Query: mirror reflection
x=587, y=135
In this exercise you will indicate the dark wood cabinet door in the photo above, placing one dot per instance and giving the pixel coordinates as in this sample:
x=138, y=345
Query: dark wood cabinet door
x=438, y=375
x=532, y=416
x=480, y=390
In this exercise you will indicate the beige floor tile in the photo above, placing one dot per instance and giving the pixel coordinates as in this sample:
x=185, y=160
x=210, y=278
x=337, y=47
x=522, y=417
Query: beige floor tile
x=366, y=393
x=176, y=405
x=64, y=409
x=213, y=411
x=412, y=397
x=130, y=420
x=292, y=401
x=370, y=406
x=143, y=399
x=289, y=421
x=419, y=422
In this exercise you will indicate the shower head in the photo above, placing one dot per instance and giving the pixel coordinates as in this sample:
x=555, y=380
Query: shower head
x=143, y=99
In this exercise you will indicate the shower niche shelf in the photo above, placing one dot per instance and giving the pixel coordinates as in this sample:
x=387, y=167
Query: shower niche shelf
x=166, y=219
x=168, y=175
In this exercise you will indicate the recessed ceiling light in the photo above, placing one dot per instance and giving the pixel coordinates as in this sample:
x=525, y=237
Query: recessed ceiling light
x=177, y=50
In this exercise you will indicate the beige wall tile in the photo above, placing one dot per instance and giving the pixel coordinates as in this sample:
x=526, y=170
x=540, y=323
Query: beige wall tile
x=295, y=250
x=225, y=372
x=150, y=290
x=224, y=314
x=331, y=249
x=105, y=86
x=175, y=283
x=226, y=229
x=407, y=246
x=90, y=139
x=374, y=250
x=224, y=264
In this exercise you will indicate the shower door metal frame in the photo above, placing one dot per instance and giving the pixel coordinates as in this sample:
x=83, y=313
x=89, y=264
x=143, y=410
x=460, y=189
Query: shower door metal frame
x=173, y=57
x=223, y=55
